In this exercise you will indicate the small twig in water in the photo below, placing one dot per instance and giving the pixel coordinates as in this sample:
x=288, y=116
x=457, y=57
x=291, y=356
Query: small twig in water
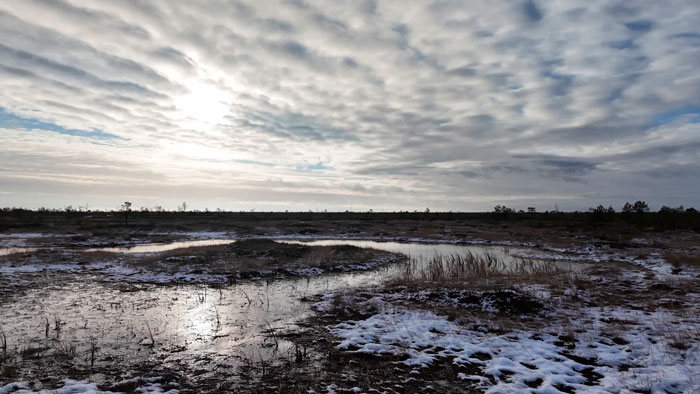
x=299, y=356
x=262, y=363
x=58, y=323
x=246, y=296
x=150, y=333
x=3, y=342
x=218, y=318
x=93, y=350
x=47, y=326
x=274, y=334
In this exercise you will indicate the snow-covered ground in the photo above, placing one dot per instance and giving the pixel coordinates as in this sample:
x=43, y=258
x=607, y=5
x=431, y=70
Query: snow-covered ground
x=587, y=347
x=644, y=357
x=114, y=270
x=584, y=347
x=22, y=235
x=11, y=241
x=136, y=385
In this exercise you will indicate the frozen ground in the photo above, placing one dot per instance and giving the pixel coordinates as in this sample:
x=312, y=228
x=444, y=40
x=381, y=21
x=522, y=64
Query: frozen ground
x=200, y=261
x=590, y=336
x=135, y=385
x=630, y=324
x=126, y=264
x=114, y=271
x=645, y=356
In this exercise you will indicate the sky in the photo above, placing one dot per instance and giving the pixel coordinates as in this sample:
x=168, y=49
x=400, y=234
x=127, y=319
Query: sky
x=383, y=105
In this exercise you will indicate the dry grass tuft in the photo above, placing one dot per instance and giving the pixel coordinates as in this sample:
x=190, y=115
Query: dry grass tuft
x=679, y=259
x=472, y=267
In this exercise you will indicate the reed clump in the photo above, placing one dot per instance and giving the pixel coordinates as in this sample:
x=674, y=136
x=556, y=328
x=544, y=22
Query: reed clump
x=468, y=267
x=680, y=259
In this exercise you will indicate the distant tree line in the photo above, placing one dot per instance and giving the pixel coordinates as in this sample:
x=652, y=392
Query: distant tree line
x=633, y=217
x=127, y=207
x=637, y=207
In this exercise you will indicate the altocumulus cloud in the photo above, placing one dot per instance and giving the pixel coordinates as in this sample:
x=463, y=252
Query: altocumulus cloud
x=349, y=105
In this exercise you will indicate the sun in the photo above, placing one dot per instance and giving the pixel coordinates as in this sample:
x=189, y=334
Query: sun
x=205, y=105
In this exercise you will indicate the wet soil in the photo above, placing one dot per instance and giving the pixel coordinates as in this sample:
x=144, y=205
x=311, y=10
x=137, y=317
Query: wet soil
x=499, y=311
x=262, y=336
x=204, y=336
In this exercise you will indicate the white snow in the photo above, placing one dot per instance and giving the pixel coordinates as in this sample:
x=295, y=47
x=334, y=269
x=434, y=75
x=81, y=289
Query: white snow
x=69, y=387
x=307, y=271
x=205, y=234
x=19, y=240
x=647, y=361
x=115, y=270
x=147, y=385
x=326, y=303
x=22, y=235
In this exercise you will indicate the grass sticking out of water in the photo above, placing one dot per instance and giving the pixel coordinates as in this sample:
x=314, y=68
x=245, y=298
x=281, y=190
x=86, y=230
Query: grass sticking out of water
x=458, y=268
x=3, y=342
x=680, y=259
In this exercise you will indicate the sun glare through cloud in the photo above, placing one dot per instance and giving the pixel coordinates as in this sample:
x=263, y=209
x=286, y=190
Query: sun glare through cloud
x=204, y=105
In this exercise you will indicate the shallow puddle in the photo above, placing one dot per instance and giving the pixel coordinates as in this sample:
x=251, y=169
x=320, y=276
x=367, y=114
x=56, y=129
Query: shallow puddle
x=9, y=251
x=161, y=247
x=419, y=250
x=185, y=323
x=140, y=321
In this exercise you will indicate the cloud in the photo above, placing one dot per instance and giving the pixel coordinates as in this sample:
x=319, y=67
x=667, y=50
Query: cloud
x=18, y=122
x=379, y=104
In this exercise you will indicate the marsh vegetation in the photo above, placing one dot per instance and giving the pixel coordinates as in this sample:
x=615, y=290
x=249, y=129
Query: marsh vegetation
x=198, y=312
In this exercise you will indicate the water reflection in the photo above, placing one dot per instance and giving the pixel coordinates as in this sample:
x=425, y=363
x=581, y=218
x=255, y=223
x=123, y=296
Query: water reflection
x=184, y=322
x=420, y=250
x=9, y=251
x=161, y=247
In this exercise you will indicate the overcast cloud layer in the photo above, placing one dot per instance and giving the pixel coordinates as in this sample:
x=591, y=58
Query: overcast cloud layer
x=452, y=105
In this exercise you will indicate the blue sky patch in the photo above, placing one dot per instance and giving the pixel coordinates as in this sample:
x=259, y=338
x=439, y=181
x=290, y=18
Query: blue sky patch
x=313, y=167
x=564, y=81
x=254, y=162
x=532, y=11
x=12, y=121
x=692, y=114
x=640, y=25
x=622, y=44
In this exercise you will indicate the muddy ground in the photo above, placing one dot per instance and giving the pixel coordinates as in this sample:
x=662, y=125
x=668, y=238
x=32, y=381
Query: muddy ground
x=641, y=282
x=226, y=263
x=633, y=308
x=85, y=229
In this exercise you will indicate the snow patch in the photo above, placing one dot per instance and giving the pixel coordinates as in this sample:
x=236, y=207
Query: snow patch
x=326, y=303
x=23, y=235
x=145, y=385
x=515, y=361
